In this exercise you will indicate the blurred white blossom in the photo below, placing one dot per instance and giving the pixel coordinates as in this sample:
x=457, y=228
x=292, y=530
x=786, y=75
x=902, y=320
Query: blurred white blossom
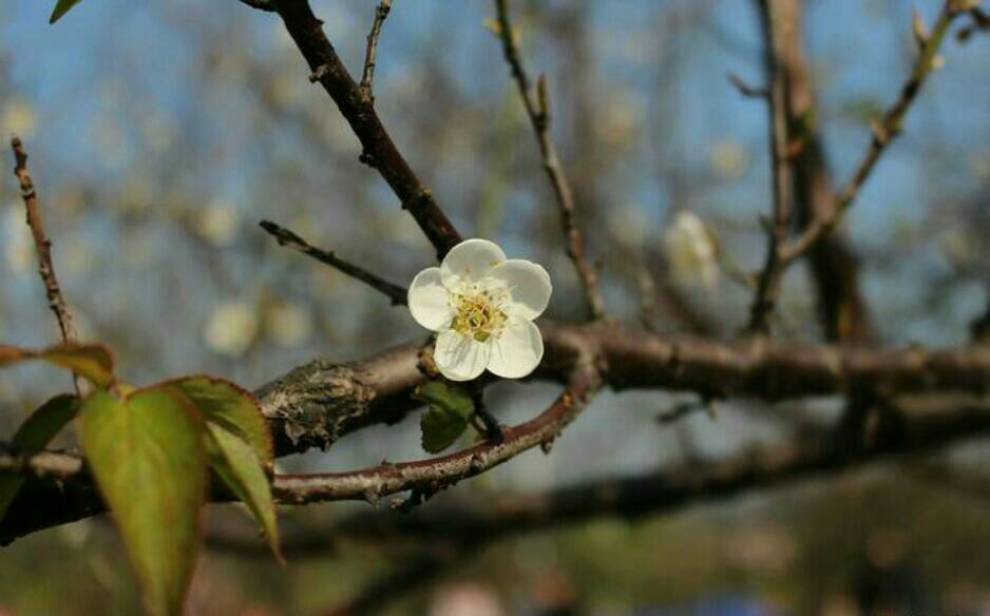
x=691, y=250
x=289, y=325
x=18, y=118
x=218, y=224
x=231, y=328
x=728, y=160
x=465, y=599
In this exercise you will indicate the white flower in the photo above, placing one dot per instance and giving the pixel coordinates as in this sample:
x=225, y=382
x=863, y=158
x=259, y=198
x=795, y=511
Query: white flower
x=231, y=328
x=691, y=250
x=482, y=305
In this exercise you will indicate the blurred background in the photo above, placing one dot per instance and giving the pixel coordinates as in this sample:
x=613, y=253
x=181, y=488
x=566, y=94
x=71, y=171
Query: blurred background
x=160, y=133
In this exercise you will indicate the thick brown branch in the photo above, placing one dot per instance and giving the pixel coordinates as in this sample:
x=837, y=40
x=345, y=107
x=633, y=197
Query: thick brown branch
x=63, y=503
x=538, y=109
x=318, y=403
x=432, y=475
x=286, y=237
x=379, y=150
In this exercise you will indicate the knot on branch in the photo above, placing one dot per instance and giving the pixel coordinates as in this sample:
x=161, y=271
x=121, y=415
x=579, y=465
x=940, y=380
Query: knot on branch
x=313, y=405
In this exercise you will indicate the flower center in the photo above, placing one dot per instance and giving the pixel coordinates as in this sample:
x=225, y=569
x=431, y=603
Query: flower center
x=479, y=314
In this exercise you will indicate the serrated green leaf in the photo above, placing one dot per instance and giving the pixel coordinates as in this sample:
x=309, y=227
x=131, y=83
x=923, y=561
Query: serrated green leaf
x=230, y=407
x=237, y=464
x=61, y=8
x=93, y=362
x=146, y=453
x=37, y=430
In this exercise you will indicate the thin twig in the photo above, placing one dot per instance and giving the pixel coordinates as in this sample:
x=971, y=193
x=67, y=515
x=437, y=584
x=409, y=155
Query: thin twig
x=884, y=132
x=287, y=238
x=261, y=5
x=981, y=21
x=43, y=247
x=768, y=283
x=368, y=75
x=747, y=90
x=538, y=110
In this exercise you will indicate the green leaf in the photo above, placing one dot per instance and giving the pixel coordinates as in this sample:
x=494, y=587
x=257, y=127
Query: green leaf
x=93, y=362
x=230, y=407
x=236, y=463
x=450, y=410
x=239, y=443
x=61, y=8
x=146, y=453
x=450, y=397
x=37, y=430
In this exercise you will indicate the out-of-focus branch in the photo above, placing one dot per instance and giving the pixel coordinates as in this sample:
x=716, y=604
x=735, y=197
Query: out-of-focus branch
x=980, y=21
x=378, y=149
x=744, y=88
x=779, y=228
x=460, y=530
x=842, y=308
x=410, y=575
x=43, y=248
x=261, y=5
x=288, y=238
x=538, y=109
x=884, y=132
x=368, y=74
x=833, y=265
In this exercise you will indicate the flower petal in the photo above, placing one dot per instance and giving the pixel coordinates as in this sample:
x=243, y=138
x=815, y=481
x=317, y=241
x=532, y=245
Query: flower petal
x=428, y=300
x=528, y=284
x=469, y=262
x=460, y=357
x=517, y=350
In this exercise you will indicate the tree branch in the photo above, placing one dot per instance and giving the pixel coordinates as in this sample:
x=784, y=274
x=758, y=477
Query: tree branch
x=842, y=308
x=368, y=74
x=379, y=150
x=285, y=237
x=768, y=282
x=448, y=533
x=424, y=478
x=43, y=249
x=261, y=5
x=42, y=245
x=320, y=402
x=884, y=133
x=538, y=111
